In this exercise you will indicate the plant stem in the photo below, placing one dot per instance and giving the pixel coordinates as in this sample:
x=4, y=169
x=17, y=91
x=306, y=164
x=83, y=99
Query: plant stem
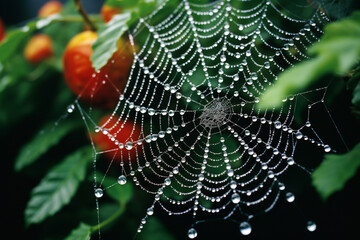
x=111, y=219
x=85, y=16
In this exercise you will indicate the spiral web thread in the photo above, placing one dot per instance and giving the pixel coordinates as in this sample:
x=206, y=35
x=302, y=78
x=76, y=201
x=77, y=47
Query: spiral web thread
x=204, y=149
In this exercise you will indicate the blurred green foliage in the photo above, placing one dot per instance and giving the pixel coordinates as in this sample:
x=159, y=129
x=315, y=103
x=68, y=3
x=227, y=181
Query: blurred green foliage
x=23, y=84
x=335, y=171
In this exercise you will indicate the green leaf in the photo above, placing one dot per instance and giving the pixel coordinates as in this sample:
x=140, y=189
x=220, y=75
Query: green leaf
x=145, y=7
x=356, y=95
x=295, y=79
x=13, y=41
x=42, y=142
x=335, y=171
x=82, y=232
x=341, y=39
x=121, y=3
x=58, y=186
x=336, y=53
x=14, y=38
x=154, y=229
x=108, y=36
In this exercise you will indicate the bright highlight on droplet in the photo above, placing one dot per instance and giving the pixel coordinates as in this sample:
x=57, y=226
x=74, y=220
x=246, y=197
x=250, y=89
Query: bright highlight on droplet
x=290, y=197
x=245, y=228
x=235, y=198
x=311, y=226
x=192, y=233
x=122, y=179
x=99, y=193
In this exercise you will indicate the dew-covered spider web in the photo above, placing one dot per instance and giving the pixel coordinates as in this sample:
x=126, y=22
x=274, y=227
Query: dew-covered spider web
x=199, y=145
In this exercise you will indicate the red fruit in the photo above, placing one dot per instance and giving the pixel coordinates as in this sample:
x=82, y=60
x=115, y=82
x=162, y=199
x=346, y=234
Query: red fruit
x=50, y=8
x=130, y=132
x=96, y=89
x=107, y=12
x=2, y=31
x=38, y=48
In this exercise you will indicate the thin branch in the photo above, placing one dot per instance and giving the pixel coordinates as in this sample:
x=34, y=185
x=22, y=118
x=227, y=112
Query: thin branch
x=83, y=13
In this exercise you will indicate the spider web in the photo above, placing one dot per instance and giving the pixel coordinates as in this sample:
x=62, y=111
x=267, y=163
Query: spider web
x=203, y=147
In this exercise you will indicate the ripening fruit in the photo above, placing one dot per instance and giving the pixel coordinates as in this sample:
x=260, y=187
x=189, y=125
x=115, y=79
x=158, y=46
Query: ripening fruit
x=107, y=12
x=38, y=48
x=2, y=31
x=50, y=8
x=100, y=89
x=130, y=132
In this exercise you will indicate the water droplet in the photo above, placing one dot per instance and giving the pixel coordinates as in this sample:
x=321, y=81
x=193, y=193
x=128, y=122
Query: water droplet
x=241, y=27
x=161, y=134
x=290, y=161
x=148, y=138
x=150, y=211
x=254, y=76
x=245, y=228
x=298, y=135
x=235, y=198
x=70, y=108
x=167, y=181
x=201, y=177
x=192, y=233
x=277, y=124
x=271, y=174
x=281, y=186
x=267, y=65
x=99, y=193
x=230, y=172
x=151, y=111
x=154, y=137
x=327, y=148
x=290, y=197
x=129, y=145
x=233, y=184
x=122, y=179
x=222, y=58
x=311, y=226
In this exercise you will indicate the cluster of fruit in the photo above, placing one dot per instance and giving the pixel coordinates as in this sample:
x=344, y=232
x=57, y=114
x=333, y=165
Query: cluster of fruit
x=79, y=75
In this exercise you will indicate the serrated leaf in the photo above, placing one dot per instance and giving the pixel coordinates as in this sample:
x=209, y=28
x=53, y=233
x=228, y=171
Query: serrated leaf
x=335, y=171
x=58, y=186
x=42, y=142
x=108, y=36
x=82, y=232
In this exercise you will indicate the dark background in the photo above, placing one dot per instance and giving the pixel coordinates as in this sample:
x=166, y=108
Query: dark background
x=337, y=218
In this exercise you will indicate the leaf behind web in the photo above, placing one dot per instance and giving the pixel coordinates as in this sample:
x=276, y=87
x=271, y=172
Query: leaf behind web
x=108, y=35
x=336, y=53
x=335, y=171
x=82, y=232
x=58, y=186
x=42, y=142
